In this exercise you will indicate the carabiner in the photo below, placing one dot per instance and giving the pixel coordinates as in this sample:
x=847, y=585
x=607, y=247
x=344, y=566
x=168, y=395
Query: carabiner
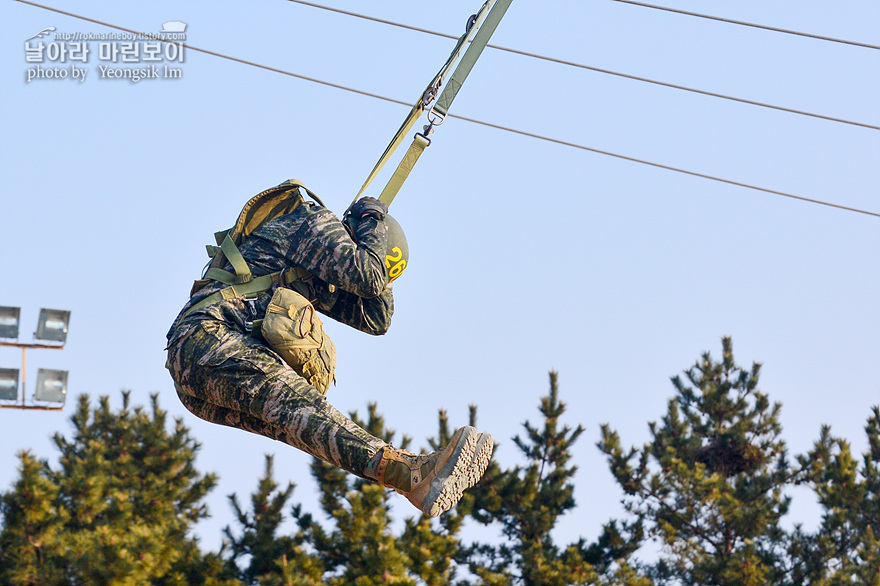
x=430, y=94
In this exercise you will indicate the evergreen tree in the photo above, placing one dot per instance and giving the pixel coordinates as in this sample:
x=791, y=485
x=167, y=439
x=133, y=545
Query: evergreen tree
x=194, y=567
x=433, y=547
x=117, y=511
x=710, y=483
x=273, y=559
x=527, y=502
x=846, y=549
x=31, y=540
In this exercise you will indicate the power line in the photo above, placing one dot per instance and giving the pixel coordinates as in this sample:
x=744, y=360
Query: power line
x=760, y=26
x=221, y=55
x=466, y=119
x=380, y=20
x=666, y=167
x=591, y=68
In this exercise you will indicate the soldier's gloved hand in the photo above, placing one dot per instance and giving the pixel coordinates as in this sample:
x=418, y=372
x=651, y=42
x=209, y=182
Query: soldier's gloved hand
x=369, y=206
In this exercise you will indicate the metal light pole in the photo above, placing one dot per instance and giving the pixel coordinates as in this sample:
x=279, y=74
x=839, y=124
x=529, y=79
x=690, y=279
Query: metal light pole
x=51, y=384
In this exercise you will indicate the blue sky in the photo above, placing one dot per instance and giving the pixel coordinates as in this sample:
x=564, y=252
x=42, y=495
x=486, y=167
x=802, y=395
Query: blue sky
x=526, y=256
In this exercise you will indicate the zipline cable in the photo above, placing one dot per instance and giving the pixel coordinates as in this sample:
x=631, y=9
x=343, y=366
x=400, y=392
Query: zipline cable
x=760, y=26
x=472, y=120
x=591, y=68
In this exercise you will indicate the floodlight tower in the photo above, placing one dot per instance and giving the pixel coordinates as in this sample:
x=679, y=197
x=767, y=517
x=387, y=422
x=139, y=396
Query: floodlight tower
x=51, y=384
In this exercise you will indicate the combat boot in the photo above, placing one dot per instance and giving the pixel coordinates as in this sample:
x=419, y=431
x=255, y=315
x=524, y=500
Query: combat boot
x=435, y=482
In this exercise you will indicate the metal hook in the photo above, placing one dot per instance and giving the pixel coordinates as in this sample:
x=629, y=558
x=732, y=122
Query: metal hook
x=470, y=23
x=429, y=95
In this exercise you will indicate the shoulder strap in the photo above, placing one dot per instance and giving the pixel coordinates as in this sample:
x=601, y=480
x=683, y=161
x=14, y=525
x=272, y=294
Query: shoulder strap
x=266, y=205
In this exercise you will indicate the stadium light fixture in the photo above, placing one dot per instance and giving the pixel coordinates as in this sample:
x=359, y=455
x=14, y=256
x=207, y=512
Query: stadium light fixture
x=8, y=384
x=9, y=317
x=51, y=386
x=52, y=325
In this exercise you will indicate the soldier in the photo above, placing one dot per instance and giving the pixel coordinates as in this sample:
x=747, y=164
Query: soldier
x=225, y=371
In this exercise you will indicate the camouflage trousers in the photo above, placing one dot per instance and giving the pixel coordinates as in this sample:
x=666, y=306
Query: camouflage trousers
x=228, y=377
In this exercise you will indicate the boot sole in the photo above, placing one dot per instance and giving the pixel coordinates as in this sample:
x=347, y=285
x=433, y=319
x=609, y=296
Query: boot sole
x=482, y=456
x=464, y=468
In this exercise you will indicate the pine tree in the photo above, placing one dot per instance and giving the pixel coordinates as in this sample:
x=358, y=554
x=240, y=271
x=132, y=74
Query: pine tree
x=196, y=568
x=273, y=559
x=117, y=511
x=31, y=541
x=846, y=549
x=527, y=502
x=433, y=547
x=710, y=483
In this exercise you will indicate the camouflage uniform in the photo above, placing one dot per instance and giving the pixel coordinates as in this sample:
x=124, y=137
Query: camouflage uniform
x=226, y=375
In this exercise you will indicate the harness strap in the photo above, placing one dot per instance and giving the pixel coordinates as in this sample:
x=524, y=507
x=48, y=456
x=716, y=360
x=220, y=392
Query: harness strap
x=479, y=31
x=419, y=143
x=427, y=96
x=404, y=129
x=233, y=255
x=470, y=57
x=224, y=277
x=252, y=288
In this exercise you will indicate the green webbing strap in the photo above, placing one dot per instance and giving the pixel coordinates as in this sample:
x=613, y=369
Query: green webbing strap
x=296, y=183
x=243, y=290
x=251, y=288
x=471, y=56
x=426, y=98
x=233, y=255
x=484, y=32
x=224, y=277
x=403, y=169
x=404, y=129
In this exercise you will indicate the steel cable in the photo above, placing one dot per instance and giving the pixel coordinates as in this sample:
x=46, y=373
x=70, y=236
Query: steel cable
x=750, y=24
x=595, y=69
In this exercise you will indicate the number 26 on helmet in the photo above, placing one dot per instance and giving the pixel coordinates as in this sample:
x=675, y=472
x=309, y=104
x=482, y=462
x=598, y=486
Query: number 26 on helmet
x=397, y=251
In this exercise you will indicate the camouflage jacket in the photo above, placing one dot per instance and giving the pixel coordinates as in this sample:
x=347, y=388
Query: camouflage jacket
x=349, y=281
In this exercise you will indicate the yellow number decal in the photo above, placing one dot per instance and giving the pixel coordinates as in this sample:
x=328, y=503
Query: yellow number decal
x=396, y=270
x=390, y=259
x=399, y=263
